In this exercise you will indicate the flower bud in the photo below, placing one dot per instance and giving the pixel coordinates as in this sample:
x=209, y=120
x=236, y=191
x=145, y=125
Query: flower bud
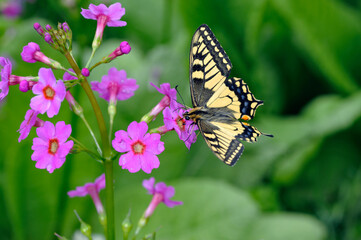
x=85, y=72
x=127, y=226
x=24, y=86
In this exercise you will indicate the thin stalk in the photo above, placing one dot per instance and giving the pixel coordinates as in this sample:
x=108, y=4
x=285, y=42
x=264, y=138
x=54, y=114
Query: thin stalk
x=95, y=65
x=90, y=58
x=109, y=199
x=91, y=133
x=105, y=144
x=85, y=149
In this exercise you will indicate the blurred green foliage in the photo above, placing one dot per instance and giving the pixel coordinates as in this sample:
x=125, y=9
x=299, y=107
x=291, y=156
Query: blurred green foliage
x=302, y=57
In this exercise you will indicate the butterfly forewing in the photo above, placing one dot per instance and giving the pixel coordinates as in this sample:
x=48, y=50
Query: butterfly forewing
x=209, y=65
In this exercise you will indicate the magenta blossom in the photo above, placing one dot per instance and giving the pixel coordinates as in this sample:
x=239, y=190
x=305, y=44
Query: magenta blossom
x=12, y=9
x=105, y=16
x=173, y=120
x=161, y=193
x=31, y=53
x=6, y=68
x=50, y=147
x=115, y=86
x=67, y=76
x=109, y=16
x=170, y=96
x=50, y=93
x=141, y=148
x=31, y=120
x=93, y=190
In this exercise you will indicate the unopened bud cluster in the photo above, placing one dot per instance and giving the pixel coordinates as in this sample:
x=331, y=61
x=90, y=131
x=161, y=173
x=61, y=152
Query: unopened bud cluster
x=59, y=38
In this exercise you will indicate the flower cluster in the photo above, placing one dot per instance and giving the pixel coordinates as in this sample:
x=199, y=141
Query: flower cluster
x=137, y=148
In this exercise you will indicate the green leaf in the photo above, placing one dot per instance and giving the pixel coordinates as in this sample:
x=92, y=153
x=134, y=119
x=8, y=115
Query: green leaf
x=313, y=25
x=214, y=210
x=285, y=226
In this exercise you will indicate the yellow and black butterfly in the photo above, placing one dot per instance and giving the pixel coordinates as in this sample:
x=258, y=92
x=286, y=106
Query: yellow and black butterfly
x=218, y=101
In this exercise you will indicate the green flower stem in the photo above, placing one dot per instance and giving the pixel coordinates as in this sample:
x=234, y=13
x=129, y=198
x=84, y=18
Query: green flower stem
x=91, y=133
x=141, y=223
x=68, y=71
x=95, y=65
x=109, y=200
x=84, y=83
x=85, y=149
x=108, y=164
x=91, y=57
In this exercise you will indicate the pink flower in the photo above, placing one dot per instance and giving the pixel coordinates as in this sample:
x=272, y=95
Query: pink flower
x=12, y=9
x=50, y=93
x=173, y=120
x=6, y=68
x=109, y=16
x=67, y=76
x=31, y=53
x=141, y=148
x=161, y=193
x=51, y=148
x=93, y=190
x=105, y=17
x=115, y=86
x=30, y=121
x=170, y=96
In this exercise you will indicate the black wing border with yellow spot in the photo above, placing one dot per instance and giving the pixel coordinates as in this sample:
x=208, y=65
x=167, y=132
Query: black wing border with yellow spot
x=205, y=48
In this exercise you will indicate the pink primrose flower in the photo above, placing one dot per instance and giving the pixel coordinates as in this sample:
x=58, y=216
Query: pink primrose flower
x=170, y=96
x=161, y=193
x=31, y=53
x=93, y=190
x=6, y=68
x=173, y=120
x=50, y=93
x=12, y=9
x=141, y=148
x=67, y=76
x=115, y=86
x=31, y=120
x=50, y=147
x=105, y=16
x=109, y=16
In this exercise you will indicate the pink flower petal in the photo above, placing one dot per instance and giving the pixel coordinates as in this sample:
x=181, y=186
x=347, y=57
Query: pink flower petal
x=149, y=185
x=148, y=162
x=46, y=76
x=137, y=130
x=130, y=162
x=62, y=131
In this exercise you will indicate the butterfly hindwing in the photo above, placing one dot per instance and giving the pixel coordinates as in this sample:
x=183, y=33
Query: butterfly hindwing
x=209, y=65
x=235, y=95
x=222, y=142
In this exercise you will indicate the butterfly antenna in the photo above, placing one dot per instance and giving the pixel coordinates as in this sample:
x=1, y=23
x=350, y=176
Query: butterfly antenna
x=176, y=88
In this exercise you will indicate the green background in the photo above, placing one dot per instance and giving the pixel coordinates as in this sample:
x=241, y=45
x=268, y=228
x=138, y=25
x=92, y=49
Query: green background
x=301, y=57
